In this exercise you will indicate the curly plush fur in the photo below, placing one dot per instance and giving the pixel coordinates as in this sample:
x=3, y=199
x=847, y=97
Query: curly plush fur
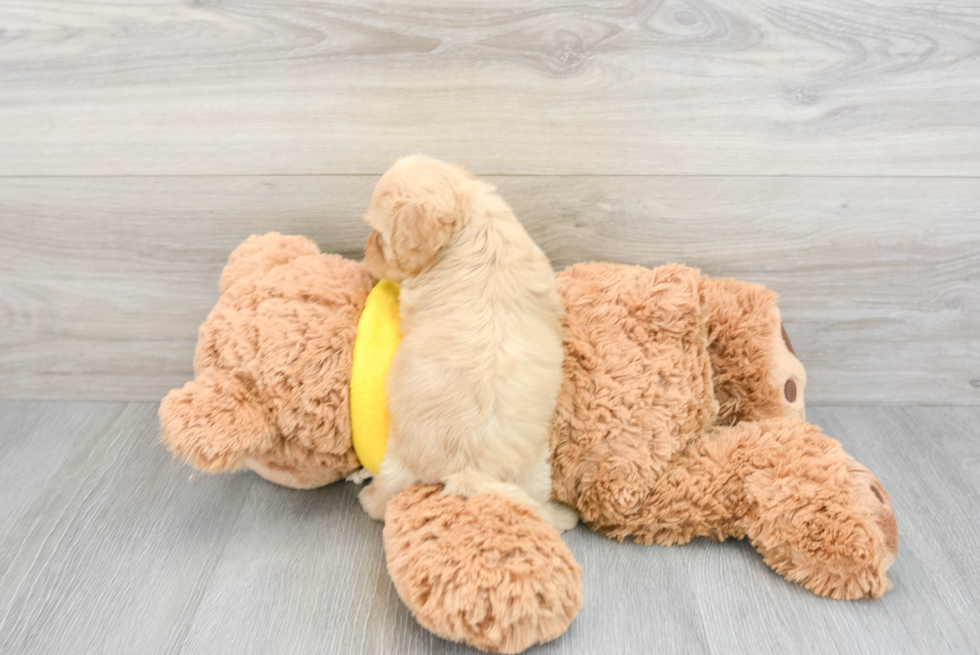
x=641, y=444
x=272, y=367
x=680, y=415
x=754, y=370
x=485, y=570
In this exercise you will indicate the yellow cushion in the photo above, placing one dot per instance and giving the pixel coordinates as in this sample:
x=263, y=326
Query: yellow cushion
x=377, y=340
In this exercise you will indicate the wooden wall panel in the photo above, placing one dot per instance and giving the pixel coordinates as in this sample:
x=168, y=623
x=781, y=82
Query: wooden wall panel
x=104, y=281
x=811, y=87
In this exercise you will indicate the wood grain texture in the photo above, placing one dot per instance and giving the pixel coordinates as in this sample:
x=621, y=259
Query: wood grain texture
x=812, y=87
x=109, y=545
x=101, y=554
x=104, y=281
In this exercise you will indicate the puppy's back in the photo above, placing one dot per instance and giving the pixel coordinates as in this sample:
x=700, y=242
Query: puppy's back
x=479, y=367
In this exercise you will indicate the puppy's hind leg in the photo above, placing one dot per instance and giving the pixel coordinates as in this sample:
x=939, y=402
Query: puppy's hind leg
x=536, y=481
x=471, y=483
x=392, y=477
x=560, y=517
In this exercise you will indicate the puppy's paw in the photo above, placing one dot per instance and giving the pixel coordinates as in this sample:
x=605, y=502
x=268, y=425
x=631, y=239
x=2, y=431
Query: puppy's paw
x=561, y=517
x=360, y=476
x=372, y=502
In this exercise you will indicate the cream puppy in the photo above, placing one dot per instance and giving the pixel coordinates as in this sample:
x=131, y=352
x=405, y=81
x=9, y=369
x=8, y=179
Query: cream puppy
x=473, y=385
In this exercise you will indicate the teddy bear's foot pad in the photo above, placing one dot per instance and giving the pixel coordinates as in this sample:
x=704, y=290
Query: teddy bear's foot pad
x=818, y=516
x=483, y=570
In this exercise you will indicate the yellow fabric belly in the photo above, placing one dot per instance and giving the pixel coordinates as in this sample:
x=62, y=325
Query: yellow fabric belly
x=377, y=339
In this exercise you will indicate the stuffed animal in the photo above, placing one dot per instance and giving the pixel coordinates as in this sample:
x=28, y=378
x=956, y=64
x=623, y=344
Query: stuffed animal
x=681, y=415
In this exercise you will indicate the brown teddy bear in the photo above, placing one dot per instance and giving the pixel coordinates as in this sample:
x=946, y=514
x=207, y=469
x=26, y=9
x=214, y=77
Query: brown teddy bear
x=681, y=415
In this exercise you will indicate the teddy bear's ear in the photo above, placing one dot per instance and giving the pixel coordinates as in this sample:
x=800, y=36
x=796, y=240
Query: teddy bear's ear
x=214, y=423
x=259, y=254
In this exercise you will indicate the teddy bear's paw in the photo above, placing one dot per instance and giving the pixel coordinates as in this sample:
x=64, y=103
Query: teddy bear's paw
x=834, y=533
x=871, y=499
x=214, y=423
x=483, y=570
x=859, y=548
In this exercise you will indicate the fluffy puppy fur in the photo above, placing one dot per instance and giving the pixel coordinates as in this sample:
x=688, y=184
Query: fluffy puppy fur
x=473, y=385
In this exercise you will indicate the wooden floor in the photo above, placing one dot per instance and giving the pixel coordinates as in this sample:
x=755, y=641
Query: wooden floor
x=108, y=545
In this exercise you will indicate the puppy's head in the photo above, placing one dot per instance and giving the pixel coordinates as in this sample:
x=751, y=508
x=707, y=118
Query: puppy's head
x=415, y=209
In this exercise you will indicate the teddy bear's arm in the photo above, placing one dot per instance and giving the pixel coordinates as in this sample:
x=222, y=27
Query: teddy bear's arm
x=213, y=422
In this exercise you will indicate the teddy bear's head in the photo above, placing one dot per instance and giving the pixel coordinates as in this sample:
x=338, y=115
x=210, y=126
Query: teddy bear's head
x=272, y=367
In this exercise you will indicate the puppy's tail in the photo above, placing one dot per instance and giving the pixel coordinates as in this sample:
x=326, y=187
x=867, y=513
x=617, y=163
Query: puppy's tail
x=470, y=483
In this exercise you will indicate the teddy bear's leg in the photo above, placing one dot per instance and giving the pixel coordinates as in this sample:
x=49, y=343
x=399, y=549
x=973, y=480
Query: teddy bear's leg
x=484, y=570
x=755, y=372
x=816, y=515
x=214, y=422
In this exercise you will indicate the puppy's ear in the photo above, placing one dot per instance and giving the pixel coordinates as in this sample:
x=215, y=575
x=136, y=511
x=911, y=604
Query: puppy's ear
x=420, y=229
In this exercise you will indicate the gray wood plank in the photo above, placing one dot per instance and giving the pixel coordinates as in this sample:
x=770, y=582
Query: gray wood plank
x=932, y=606
x=304, y=573
x=104, y=281
x=122, y=549
x=815, y=87
x=721, y=598
x=30, y=431
x=114, y=542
